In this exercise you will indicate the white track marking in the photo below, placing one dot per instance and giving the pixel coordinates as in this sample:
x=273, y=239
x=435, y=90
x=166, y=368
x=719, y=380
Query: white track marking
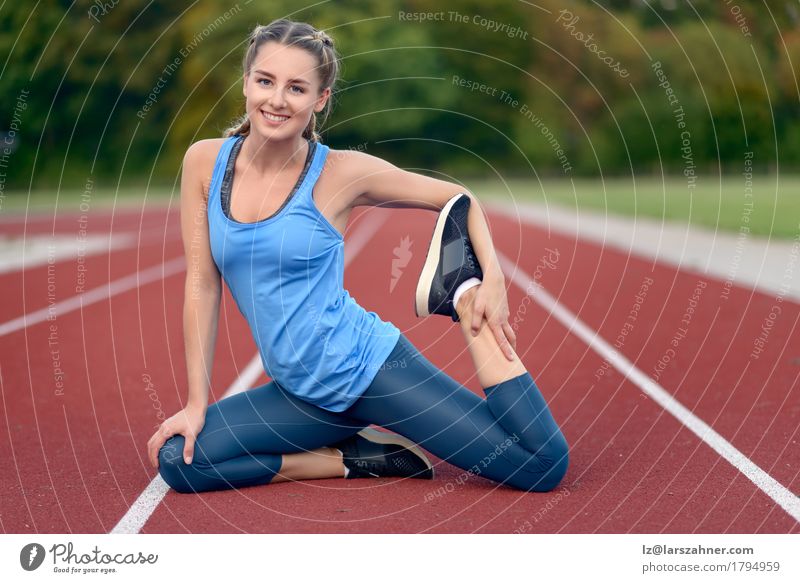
x=763, y=481
x=144, y=506
x=120, y=208
x=97, y=294
x=364, y=234
x=247, y=377
x=146, y=503
x=25, y=252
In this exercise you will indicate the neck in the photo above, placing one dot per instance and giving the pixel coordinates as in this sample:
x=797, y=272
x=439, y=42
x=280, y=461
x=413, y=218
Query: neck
x=271, y=156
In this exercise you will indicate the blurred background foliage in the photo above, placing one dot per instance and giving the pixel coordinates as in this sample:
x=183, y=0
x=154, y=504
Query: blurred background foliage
x=88, y=68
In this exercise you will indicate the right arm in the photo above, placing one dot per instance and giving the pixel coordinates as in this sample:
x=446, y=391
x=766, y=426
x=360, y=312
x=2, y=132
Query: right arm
x=202, y=293
x=203, y=286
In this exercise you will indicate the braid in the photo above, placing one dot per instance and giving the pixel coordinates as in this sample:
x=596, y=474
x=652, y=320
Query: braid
x=321, y=36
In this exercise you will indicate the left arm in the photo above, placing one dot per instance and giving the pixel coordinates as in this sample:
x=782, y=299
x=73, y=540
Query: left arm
x=377, y=182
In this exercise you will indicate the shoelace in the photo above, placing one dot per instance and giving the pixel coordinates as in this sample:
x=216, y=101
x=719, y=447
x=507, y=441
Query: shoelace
x=469, y=253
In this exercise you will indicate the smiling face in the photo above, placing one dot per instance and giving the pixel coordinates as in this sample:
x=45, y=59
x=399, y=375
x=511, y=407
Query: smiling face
x=282, y=90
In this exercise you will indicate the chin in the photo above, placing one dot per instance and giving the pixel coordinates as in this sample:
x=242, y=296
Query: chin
x=275, y=132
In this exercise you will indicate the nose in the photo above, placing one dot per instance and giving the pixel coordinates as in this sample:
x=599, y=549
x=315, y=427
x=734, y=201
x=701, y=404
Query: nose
x=276, y=100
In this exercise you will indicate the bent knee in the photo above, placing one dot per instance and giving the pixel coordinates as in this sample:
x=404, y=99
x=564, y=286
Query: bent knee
x=544, y=470
x=559, y=463
x=557, y=454
x=171, y=466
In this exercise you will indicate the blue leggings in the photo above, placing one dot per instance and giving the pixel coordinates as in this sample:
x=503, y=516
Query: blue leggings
x=510, y=437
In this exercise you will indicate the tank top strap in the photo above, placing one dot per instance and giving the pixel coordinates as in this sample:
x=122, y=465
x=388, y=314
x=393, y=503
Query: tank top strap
x=220, y=168
x=315, y=169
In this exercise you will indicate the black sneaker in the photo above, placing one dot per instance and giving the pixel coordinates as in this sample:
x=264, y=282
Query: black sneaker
x=373, y=454
x=450, y=261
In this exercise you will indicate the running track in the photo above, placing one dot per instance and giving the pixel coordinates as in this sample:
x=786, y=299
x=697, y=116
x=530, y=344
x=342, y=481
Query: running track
x=705, y=442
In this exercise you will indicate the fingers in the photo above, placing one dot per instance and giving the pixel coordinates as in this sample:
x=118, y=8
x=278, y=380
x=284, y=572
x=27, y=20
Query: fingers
x=188, y=449
x=498, y=323
x=153, y=447
x=477, y=316
x=154, y=444
x=502, y=341
x=510, y=334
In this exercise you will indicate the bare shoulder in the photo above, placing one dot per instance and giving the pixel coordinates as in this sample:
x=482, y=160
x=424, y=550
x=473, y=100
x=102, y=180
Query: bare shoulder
x=351, y=173
x=355, y=164
x=198, y=162
x=204, y=150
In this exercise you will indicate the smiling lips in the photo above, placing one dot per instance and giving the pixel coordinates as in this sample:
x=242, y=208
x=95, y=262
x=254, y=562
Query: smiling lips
x=273, y=117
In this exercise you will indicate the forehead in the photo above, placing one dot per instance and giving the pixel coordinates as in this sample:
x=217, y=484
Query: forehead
x=285, y=61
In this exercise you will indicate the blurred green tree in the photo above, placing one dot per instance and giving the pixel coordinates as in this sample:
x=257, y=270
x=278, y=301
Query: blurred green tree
x=118, y=91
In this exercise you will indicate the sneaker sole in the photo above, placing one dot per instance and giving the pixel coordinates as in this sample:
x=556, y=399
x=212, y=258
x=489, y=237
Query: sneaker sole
x=432, y=261
x=394, y=438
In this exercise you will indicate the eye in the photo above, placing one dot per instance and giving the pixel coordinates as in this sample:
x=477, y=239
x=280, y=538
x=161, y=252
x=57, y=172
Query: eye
x=295, y=88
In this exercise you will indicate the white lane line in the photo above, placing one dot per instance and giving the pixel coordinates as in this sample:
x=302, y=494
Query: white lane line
x=247, y=377
x=355, y=243
x=146, y=503
x=27, y=252
x=30, y=251
x=364, y=233
x=40, y=213
x=96, y=294
x=763, y=481
x=144, y=506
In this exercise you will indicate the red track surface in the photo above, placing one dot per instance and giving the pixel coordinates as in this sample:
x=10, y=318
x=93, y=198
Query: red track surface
x=75, y=461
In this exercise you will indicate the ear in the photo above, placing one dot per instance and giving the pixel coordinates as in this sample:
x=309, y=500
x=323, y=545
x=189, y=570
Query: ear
x=322, y=100
x=244, y=84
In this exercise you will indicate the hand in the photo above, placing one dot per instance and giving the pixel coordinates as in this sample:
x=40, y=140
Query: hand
x=187, y=422
x=490, y=301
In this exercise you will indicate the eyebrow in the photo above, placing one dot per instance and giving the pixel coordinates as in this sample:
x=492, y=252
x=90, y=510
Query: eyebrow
x=273, y=76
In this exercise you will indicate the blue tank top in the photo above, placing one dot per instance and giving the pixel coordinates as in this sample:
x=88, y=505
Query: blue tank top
x=286, y=274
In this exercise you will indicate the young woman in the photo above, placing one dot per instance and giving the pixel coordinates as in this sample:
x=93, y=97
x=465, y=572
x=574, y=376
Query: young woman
x=269, y=221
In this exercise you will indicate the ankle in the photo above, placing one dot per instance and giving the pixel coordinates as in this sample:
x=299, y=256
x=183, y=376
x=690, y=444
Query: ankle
x=337, y=453
x=465, y=301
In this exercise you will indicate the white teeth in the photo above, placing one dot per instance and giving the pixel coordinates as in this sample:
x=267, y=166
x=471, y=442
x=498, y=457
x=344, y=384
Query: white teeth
x=275, y=117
